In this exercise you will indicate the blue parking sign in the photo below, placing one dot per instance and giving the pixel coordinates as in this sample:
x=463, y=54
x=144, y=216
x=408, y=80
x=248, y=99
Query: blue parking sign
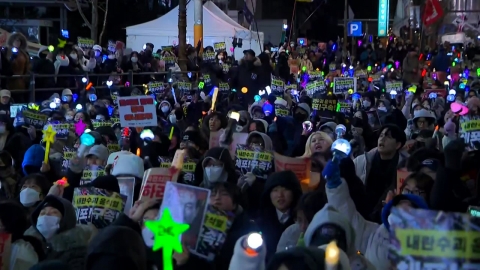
x=355, y=29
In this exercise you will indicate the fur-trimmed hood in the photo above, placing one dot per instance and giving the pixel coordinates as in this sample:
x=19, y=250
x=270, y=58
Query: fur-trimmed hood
x=256, y=62
x=23, y=40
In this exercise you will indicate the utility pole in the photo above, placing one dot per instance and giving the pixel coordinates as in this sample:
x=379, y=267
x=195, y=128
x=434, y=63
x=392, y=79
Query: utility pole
x=345, y=30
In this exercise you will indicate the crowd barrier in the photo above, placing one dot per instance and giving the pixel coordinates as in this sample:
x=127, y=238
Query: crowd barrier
x=98, y=80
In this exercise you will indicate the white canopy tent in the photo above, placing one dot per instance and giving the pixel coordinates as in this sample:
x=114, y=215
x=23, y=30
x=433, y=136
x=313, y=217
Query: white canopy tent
x=163, y=31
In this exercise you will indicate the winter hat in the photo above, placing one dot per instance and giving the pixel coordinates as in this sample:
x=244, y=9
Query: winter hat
x=305, y=107
x=107, y=182
x=329, y=125
x=450, y=128
x=97, y=47
x=67, y=92
x=281, y=102
x=100, y=151
x=257, y=105
x=114, y=156
x=5, y=93
x=130, y=165
x=165, y=102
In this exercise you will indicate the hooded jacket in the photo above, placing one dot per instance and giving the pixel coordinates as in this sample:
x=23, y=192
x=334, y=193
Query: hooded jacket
x=70, y=242
x=363, y=163
x=222, y=154
x=268, y=222
x=373, y=240
x=268, y=145
x=19, y=63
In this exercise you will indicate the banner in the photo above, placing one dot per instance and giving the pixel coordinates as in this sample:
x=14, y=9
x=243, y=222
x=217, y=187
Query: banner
x=433, y=12
x=180, y=200
x=260, y=163
x=425, y=239
x=213, y=233
x=188, y=168
x=97, y=206
x=137, y=111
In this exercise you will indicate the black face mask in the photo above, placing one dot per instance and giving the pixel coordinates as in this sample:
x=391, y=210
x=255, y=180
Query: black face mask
x=300, y=117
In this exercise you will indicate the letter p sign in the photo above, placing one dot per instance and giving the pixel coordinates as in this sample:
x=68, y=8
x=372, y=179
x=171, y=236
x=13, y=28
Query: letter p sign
x=354, y=29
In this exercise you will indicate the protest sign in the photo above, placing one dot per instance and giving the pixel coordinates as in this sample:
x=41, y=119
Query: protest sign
x=113, y=147
x=97, y=206
x=215, y=139
x=34, y=118
x=439, y=93
x=260, y=163
x=425, y=239
x=323, y=104
x=223, y=87
x=101, y=123
x=343, y=84
x=90, y=173
x=300, y=166
x=402, y=174
x=127, y=188
x=314, y=75
x=219, y=46
x=281, y=110
x=226, y=68
x=179, y=199
x=185, y=89
x=5, y=250
x=68, y=154
x=315, y=88
x=61, y=128
x=168, y=48
x=156, y=87
x=85, y=43
x=154, y=181
x=277, y=86
x=188, y=168
x=345, y=107
x=394, y=86
x=470, y=132
x=169, y=61
x=208, y=57
x=137, y=111
x=213, y=233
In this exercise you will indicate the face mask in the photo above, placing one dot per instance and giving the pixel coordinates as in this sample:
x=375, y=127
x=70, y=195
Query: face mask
x=97, y=53
x=111, y=56
x=48, y=226
x=392, y=219
x=134, y=59
x=366, y=103
x=172, y=118
x=29, y=197
x=147, y=236
x=213, y=173
x=383, y=109
x=73, y=56
x=68, y=117
x=165, y=109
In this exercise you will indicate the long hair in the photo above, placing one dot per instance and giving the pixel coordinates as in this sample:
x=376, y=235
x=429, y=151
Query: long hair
x=323, y=135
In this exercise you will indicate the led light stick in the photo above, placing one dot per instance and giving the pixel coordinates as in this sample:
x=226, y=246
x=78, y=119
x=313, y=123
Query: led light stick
x=48, y=138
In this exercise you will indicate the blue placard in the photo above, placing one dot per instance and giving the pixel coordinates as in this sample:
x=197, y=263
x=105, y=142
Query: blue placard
x=355, y=29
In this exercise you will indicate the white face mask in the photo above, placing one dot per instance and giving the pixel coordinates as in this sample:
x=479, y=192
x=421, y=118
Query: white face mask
x=97, y=53
x=73, y=56
x=48, y=226
x=213, y=173
x=393, y=219
x=383, y=109
x=172, y=118
x=134, y=59
x=165, y=109
x=68, y=117
x=147, y=236
x=29, y=197
x=366, y=103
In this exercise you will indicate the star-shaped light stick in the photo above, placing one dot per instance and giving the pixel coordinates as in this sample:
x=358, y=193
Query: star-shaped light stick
x=80, y=127
x=167, y=237
x=48, y=138
x=62, y=182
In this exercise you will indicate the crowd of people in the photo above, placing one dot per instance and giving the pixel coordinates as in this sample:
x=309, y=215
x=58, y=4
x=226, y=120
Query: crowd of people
x=306, y=145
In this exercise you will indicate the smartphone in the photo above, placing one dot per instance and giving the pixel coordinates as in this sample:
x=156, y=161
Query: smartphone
x=307, y=125
x=235, y=115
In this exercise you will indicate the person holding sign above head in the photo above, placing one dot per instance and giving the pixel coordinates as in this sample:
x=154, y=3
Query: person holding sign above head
x=54, y=223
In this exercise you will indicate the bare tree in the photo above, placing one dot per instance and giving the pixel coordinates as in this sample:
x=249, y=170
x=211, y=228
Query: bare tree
x=182, y=34
x=93, y=25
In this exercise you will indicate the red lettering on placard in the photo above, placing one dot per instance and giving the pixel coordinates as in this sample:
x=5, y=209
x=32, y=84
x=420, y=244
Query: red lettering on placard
x=128, y=102
x=136, y=109
x=146, y=101
x=138, y=116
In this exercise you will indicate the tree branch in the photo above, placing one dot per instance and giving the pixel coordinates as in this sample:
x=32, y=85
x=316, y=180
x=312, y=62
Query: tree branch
x=104, y=22
x=89, y=25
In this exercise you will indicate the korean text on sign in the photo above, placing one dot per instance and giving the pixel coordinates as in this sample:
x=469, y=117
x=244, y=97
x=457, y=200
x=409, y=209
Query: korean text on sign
x=470, y=132
x=155, y=186
x=394, y=86
x=322, y=104
x=137, y=111
x=343, y=84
